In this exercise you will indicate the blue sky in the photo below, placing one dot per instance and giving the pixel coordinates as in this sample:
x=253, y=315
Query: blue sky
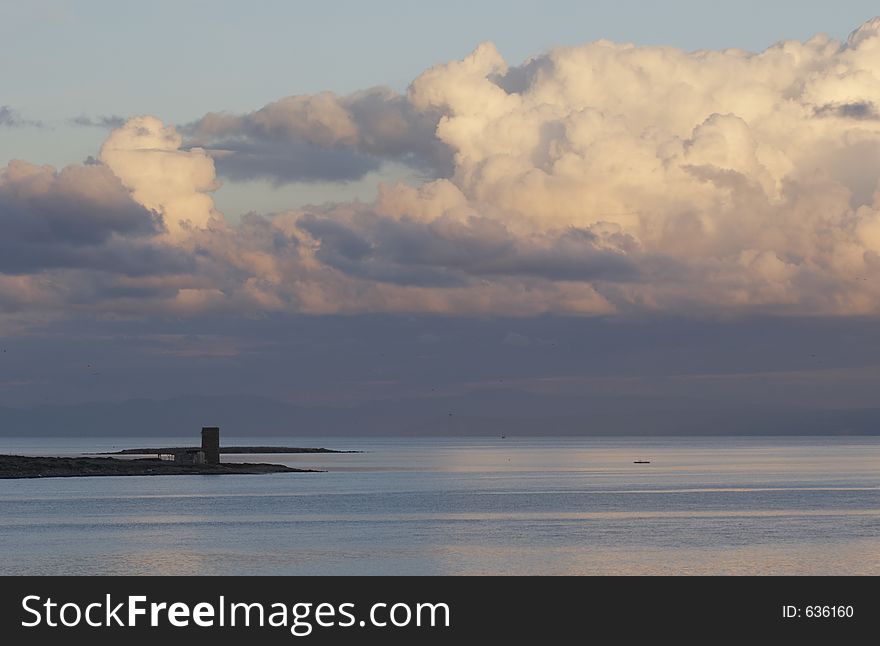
x=179, y=59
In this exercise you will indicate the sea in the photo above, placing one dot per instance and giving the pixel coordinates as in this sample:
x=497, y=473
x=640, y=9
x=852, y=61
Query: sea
x=461, y=506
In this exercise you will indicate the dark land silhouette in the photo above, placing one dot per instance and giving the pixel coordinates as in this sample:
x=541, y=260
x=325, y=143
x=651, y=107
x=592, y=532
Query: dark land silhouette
x=18, y=466
x=231, y=450
x=200, y=460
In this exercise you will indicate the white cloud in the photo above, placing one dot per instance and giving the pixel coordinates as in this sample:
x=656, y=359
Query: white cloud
x=146, y=156
x=591, y=179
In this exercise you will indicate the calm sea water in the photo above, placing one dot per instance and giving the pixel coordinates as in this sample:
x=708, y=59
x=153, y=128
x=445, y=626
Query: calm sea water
x=463, y=506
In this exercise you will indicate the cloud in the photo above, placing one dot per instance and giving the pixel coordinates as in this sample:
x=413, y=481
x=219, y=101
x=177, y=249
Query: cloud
x=74, y=238
x=146, y=156
x=285, y=161
x=600, y=178
x=10, y=118
x=51, y=218
x=102, y=121
x=323, y=137
x=450, y=252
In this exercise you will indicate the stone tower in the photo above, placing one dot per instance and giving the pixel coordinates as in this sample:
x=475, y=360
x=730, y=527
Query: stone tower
x=211, y=444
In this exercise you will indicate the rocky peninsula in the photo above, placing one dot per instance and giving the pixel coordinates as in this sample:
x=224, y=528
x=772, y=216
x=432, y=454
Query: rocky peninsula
x=169, y=461
x=18, y=466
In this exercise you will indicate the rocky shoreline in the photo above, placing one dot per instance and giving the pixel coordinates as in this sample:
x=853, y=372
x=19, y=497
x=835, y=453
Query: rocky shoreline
x=19, y=466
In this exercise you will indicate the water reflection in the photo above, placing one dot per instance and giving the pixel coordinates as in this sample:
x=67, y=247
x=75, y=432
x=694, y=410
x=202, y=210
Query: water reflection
x=452, y=506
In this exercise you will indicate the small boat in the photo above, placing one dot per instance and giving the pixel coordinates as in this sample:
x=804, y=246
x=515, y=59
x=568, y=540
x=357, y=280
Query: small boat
x=503, y=437
x=641, y=462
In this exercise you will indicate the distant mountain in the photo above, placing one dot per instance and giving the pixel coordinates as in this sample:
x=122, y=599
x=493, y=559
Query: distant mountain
x=510, y=412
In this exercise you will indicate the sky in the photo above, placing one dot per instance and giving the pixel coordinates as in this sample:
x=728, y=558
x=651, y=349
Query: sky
x=391, y=208
x=178, y=60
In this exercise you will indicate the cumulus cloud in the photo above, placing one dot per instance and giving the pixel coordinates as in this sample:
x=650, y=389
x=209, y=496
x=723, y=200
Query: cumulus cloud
x=79, y=217
x=725, y=176
x=600, y=178
x=146, y=156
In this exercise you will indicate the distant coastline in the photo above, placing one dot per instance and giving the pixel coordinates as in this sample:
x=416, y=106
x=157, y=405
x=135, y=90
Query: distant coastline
x=234, y=450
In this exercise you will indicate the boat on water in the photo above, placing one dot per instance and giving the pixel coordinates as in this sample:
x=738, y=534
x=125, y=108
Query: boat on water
x=641, y=462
